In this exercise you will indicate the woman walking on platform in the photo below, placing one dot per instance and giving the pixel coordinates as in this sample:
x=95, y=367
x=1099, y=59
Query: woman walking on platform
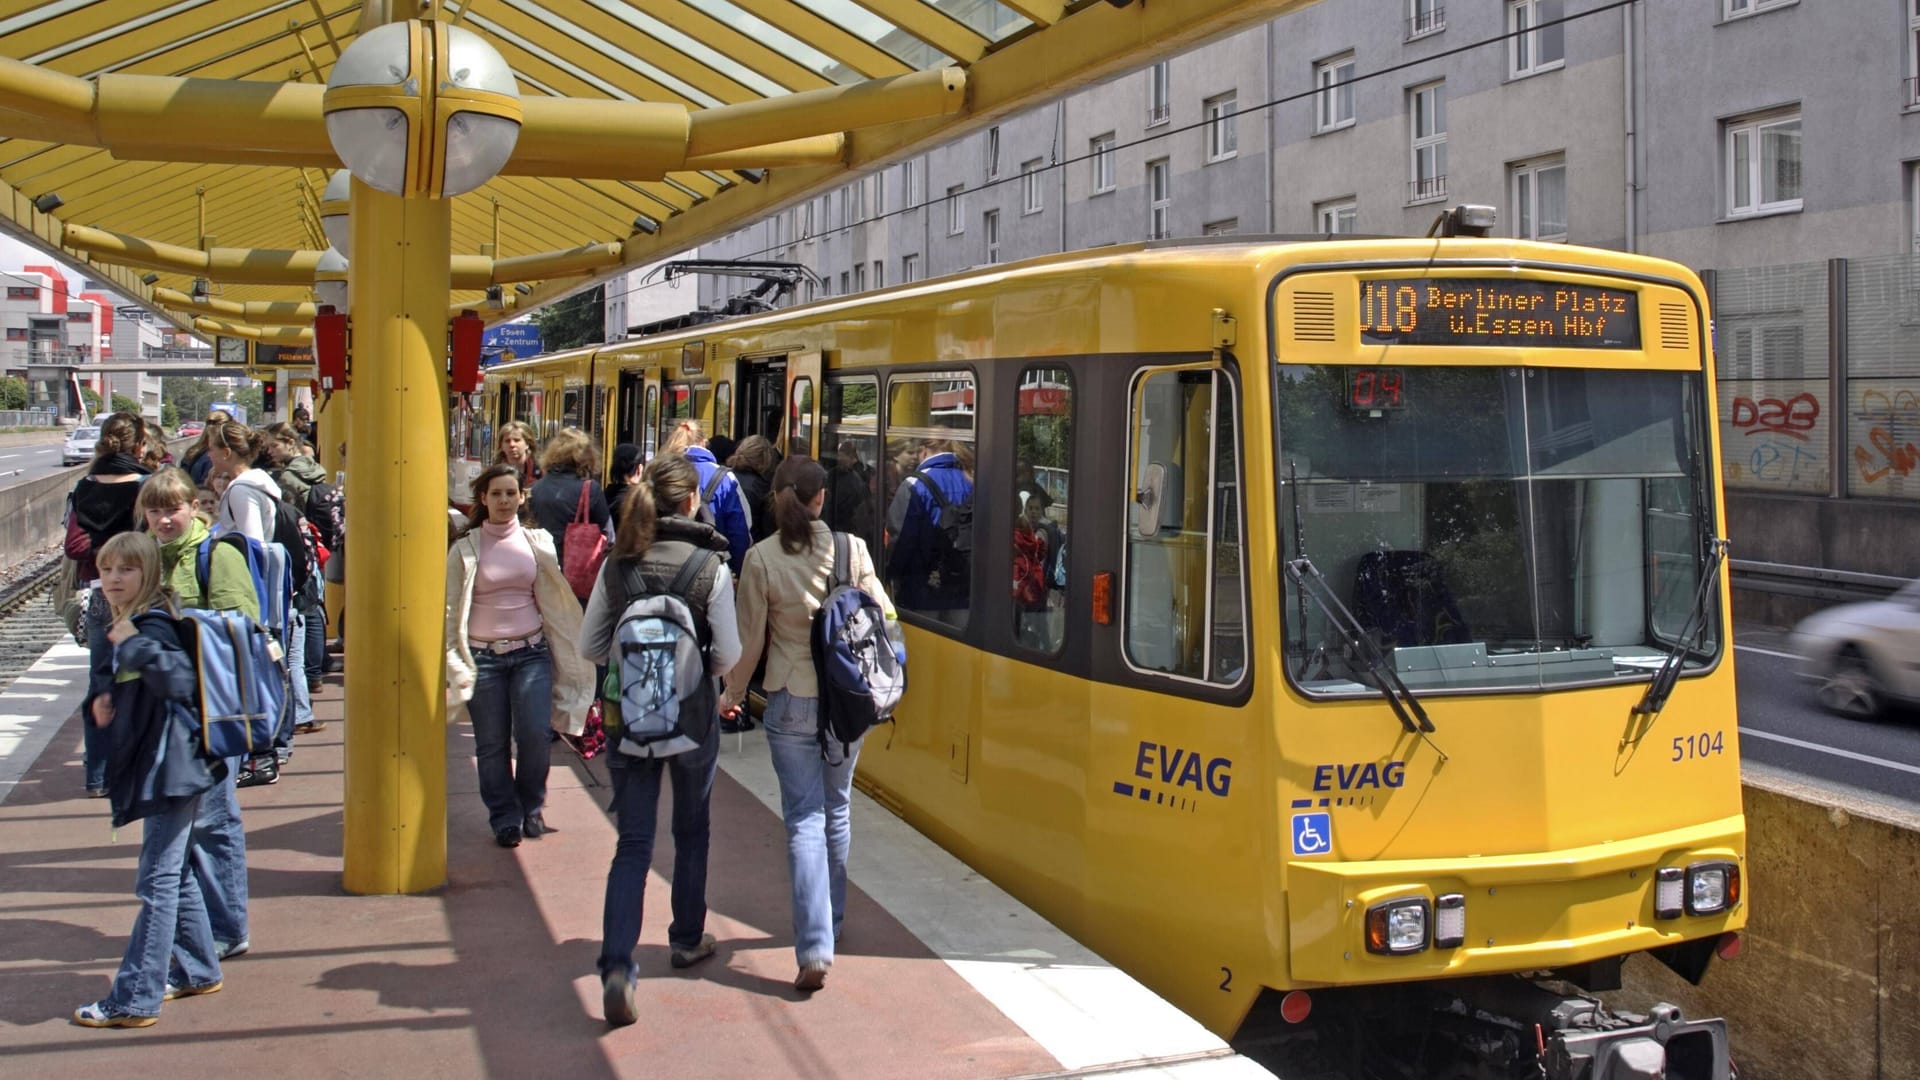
x=785, y=580
x=513, y=656
x=658, y=539
x=100, y=508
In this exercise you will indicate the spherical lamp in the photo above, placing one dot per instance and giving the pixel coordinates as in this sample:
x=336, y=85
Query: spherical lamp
x=422, y=108
x=330, y=280
x=333, y=212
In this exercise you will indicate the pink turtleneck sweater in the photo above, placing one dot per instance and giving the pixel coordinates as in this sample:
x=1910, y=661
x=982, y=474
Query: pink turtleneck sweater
x=503, y=603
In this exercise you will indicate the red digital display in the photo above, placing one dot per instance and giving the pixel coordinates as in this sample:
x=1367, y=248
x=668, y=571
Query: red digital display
x=1372, y=388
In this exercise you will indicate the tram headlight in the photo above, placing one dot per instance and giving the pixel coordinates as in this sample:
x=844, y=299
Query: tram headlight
x=1398, y=927
x=1712, y=887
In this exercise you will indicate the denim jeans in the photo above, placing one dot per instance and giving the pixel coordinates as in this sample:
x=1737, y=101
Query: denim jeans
x=170, y=938
x=816, y=802
x=512, y=702
x=316, y=640
x=636, y=808
x=218, y=850
x=299, y=702
x=93, y=739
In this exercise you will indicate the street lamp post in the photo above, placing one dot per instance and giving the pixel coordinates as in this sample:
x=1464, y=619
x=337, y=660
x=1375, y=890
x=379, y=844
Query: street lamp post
x=418, y=111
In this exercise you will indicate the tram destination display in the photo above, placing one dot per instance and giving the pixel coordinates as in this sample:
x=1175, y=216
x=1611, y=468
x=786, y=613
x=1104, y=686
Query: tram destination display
x=1497, y=311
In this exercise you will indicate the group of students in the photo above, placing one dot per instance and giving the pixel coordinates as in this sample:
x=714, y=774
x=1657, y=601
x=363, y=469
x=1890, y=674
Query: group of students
x=151, y=542
x=524, y=658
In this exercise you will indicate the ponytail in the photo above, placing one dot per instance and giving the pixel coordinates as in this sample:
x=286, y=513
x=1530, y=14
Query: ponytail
x=796, y=483
x=663, y=489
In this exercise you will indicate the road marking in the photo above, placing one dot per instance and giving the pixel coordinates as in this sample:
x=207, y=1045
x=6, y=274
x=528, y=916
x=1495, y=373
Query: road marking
x=1769, y=652
x=1817, y=748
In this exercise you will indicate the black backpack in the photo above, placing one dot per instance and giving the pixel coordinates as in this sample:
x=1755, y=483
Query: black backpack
x=327, y=510
x=303, y=560
x=953, y=553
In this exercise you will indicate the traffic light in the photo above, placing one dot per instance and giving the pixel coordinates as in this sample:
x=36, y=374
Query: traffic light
x=269, y=396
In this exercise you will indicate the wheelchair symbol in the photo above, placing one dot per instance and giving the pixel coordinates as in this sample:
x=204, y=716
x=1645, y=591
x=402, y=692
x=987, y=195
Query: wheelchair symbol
x=1312, y=834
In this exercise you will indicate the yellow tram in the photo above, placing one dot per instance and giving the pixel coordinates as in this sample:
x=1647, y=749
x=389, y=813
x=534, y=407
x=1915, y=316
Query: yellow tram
x=1383, y=637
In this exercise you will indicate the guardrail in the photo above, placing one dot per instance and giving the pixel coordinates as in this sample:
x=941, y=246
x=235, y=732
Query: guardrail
x=28, y=418
x=1814, y=582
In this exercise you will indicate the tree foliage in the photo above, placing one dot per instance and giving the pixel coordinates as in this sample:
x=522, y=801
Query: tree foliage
x=93, y=401
x=580, y=319
x=13, y=393
x=169, y=415
x=123, y=403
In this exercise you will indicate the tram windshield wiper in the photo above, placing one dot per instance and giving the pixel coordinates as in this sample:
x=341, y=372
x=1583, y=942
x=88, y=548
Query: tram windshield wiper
x=1698, y=617
x=1413, y=716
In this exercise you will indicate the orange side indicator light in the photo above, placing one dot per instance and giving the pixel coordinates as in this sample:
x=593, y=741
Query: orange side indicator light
x=1103, y=598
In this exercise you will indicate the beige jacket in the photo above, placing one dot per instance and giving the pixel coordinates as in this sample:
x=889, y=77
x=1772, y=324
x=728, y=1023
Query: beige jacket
x=560, y=621
x=777, y=596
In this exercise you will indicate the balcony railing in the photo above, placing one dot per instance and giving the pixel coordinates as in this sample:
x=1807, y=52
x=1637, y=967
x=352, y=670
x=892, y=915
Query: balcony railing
x=1427, y=187
x=1422, y=23
x=1910, y=92
x=1159, y=113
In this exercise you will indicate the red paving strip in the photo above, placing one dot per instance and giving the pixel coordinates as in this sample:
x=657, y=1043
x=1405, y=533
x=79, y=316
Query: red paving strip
x=490, y=976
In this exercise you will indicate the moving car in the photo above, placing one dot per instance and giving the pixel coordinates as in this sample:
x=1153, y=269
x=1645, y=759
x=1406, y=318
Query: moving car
x=192, y=429
x=1865, y=657
x=79, y=447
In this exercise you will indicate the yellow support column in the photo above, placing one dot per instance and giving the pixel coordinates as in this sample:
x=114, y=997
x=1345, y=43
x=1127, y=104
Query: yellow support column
x=396, y=728
x=330, y=427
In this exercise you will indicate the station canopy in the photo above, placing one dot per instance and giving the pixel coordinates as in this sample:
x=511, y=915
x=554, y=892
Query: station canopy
x=700, y=54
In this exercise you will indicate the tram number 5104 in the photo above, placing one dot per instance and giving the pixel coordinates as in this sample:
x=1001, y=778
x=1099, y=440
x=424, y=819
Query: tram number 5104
x=1389, y=309
x=1705, y=744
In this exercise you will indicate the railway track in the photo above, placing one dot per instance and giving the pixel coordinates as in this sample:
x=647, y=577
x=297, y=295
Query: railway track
x=28, y=623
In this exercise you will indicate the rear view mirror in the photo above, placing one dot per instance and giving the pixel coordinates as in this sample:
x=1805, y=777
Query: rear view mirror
x=1147, y=501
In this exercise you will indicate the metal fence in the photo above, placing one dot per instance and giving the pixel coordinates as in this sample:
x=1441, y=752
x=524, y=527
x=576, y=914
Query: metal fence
x=27, y=418
x=1819, y=376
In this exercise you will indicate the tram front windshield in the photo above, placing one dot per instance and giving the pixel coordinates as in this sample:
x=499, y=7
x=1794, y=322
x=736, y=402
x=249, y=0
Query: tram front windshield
x=1493, y=527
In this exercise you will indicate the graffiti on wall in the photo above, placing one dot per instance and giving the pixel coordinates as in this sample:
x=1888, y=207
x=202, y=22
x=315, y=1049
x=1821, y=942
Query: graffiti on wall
x=1886, y=424
x=1775, y=439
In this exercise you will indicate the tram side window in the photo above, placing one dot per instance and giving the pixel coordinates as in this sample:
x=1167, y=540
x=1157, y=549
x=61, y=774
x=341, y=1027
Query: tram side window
x=850, y=450
x=800, y=417
x=723, y=409
x=570, y=403
x=1042, y=469
x=596, y=420
x=930, y=441
x=650, y=424
x=1185, y=563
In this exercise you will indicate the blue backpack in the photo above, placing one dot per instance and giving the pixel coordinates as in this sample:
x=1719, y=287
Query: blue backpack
x=240, y=693
x=862, y=671
x=268, y=566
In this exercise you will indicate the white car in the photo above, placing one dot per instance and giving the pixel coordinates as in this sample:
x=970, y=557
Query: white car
x=79, y=448
x=1865, y=657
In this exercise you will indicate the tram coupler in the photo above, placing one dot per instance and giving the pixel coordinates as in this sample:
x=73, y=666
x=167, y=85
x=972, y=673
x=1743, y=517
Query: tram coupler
x=1578, y=1038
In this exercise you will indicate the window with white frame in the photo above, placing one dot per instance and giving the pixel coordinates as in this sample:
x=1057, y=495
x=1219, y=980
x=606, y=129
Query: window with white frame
x=879, y=182
x=1425, y=17
x=1223, y=227
x=990, y=224
x=1159, y=94
x=1333, y=99
x=879, y=274
x=1030, y=176
x=859, y=277
x=910, y=182
x=1100, y=147
x=993, y=152
x=1734, y=9
x=1534, y=48
x=909, y=269
x=1540, y=199
x=956, y=210
x=846, y=286
x=1763, y=163
x=806, y=220
x=1159, y=199
x=1336, y=215
x=1223, y=141
x=1427, y=127
x=1913, y=52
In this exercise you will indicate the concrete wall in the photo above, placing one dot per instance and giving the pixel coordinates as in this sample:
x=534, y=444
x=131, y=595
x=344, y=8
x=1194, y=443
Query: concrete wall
x=33, y=514
x=1870, y=536
x=1827, y=985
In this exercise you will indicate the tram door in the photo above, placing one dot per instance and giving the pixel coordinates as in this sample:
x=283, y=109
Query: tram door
x=763, y=399
x=803, y=406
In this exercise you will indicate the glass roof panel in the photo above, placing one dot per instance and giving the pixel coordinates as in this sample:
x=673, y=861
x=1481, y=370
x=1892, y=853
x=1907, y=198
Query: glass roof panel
x=613, y=52
x=988, y=18
x=41, y=14
x=567, y=66
x=694, y=48
x=877, y=32
x=127, y=27
x=776, y=39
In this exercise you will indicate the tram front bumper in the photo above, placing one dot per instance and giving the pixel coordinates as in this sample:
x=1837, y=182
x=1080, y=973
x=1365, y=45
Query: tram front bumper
x=1524, y=912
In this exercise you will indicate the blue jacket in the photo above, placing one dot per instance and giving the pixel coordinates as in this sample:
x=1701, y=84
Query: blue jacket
x=729, y=507
x=913, y=520
x=154, y=756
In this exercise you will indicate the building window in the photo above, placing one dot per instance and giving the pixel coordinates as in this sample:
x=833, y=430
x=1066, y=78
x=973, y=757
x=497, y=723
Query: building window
x=1223, y=227
x=910, y=182
x=1336, y=215
x=859, y=277
x=82, y=315
x=1540, y=199
x=956, y=210
x=1159, y=94
x=1101, y=149
x=1030, y=176
x=16, y=333
x=1222, y=140
x=1913, y=52
x=909, y=269
x=1736, y=8
x=879, y=194
x=1333, y=103
x=990, y=224
x=1763, y=164
x=846, y=283
x=1534, y=48
x=993, y=152
x=806, y=220
x=1427, y=118
x=22, y=292
x=1425, y=17
x=1159, y=199
x=879, y=274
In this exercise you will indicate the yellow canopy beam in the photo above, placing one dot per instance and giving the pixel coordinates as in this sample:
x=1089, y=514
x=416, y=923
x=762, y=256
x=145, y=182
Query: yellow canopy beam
x=253, y=311
x=272, y=335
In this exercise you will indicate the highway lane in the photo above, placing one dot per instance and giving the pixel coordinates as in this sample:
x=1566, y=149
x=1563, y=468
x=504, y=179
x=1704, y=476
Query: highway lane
x=21, y=463
x=1784, y=727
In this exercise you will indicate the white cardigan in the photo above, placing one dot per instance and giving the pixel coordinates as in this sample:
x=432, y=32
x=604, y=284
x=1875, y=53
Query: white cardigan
x=573, y=687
